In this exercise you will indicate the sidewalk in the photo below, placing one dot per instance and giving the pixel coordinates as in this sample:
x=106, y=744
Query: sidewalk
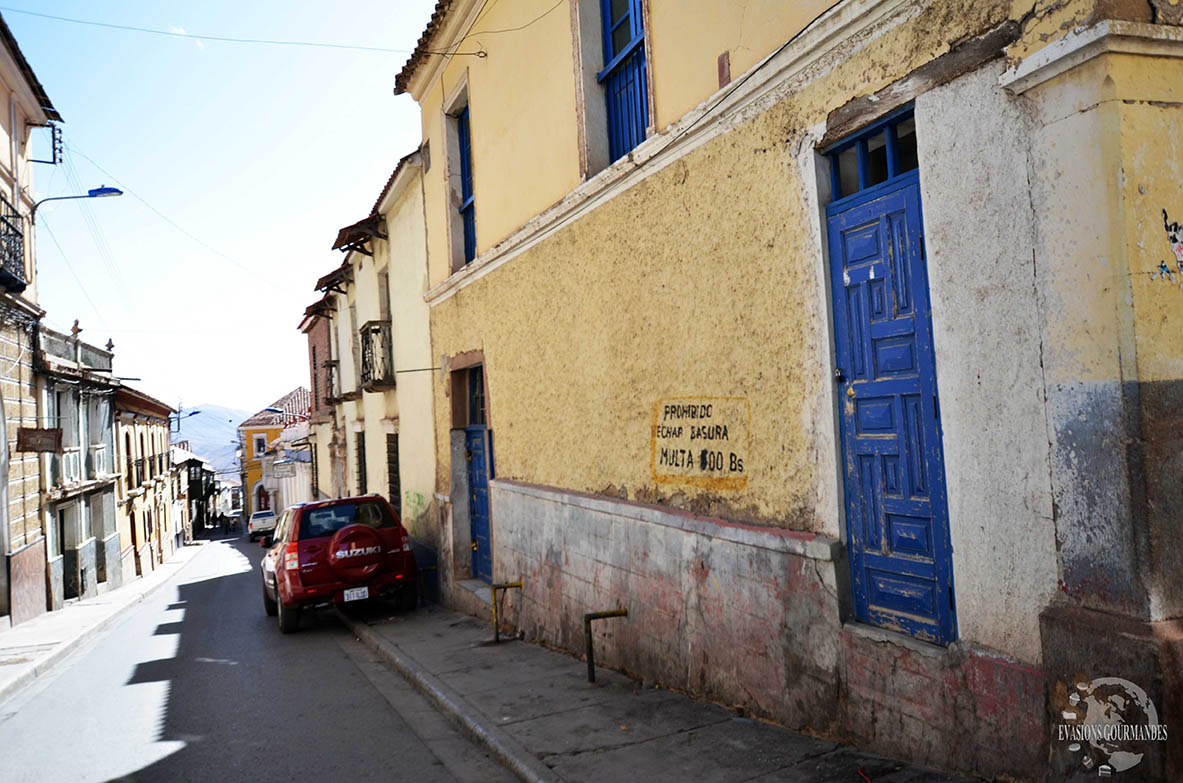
x=535, y=712
x=30, y=649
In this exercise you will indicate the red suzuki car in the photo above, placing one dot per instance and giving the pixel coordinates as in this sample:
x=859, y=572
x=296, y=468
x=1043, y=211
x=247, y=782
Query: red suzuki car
x=334, y=551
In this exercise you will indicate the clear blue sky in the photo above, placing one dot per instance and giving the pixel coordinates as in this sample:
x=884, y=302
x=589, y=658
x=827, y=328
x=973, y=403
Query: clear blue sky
x=261, y=152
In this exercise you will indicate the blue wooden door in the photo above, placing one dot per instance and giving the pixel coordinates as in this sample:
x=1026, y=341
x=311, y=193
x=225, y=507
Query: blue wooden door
x=478, y=499
x=896, y=512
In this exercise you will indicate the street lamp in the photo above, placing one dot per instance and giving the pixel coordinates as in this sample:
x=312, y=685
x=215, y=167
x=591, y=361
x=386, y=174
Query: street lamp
x=176, y=417
x=100, y=192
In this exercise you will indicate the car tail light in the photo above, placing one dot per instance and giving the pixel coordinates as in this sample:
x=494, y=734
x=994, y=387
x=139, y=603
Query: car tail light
x=291, y=556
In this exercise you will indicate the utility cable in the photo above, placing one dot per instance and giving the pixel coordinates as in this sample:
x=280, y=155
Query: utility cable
x=222, y=38
x=69, y=266
x=162, y=216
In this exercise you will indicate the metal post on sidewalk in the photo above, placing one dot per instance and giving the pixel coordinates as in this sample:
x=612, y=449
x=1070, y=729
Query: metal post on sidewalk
x=493, y=591
x=587, y=621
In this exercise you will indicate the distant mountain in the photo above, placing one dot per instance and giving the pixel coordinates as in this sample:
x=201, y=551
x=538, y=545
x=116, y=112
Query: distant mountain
x=213, y=434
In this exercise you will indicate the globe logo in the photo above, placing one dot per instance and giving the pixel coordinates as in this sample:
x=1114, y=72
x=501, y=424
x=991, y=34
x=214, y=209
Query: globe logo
x=1110, y=722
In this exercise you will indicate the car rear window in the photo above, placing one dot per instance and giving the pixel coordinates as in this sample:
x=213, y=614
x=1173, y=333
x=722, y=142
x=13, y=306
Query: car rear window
x=326, y=520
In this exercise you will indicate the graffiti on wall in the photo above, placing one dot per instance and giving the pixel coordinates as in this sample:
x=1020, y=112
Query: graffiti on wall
x=1175, y=241
x=700, y=441
x=414, y=504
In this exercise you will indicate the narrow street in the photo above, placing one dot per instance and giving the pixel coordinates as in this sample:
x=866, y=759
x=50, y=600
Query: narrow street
x=197, y=683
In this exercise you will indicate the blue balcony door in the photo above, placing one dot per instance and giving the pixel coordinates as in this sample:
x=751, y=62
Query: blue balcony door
x=896, y=512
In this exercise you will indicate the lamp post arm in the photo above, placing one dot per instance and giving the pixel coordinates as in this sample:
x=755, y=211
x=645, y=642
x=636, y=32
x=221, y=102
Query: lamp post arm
x=33, y=211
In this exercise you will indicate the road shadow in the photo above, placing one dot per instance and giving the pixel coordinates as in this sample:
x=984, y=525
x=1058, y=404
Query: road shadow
x=244, y=701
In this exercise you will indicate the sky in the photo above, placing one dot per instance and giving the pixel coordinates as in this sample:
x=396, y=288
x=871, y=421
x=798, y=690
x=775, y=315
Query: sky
x=239, y=163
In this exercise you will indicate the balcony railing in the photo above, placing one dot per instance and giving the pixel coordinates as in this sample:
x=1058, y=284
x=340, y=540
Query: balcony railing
x=12, y=249
x=332, y=381
x=377, y=358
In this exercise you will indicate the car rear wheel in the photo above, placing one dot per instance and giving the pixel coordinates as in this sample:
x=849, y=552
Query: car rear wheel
x=289, y=618
x=269, y=604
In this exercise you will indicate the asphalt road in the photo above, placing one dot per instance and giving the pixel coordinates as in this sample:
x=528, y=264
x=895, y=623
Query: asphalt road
x=196, y=683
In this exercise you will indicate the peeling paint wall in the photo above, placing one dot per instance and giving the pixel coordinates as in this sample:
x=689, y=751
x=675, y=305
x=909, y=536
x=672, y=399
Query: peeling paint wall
x=974, y=140
x=703, y=285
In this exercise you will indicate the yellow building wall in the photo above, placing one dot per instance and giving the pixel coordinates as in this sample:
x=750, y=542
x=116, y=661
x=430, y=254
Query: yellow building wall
x=253, y=465
x=710, y=255
x=686, y=38
x=522, y=106
x=157, y=496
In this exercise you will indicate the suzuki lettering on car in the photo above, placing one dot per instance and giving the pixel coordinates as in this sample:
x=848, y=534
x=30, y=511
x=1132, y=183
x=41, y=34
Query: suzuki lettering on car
x=368, y=550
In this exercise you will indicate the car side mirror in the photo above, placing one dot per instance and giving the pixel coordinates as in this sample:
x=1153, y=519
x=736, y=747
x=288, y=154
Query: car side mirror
x=264, y=542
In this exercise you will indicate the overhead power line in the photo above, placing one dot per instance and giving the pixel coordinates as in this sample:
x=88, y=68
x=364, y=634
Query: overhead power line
x=162, y=216
x=78, y=280
x=194, y=36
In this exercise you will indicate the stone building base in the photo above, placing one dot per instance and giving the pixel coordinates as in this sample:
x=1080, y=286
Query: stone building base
x=754, y=618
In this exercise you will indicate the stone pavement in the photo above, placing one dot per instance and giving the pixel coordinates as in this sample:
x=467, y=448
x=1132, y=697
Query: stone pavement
x=32, y=648
x=534, y=710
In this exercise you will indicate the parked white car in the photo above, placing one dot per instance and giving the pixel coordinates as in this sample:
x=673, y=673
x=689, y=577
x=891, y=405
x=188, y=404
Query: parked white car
x=261, y=522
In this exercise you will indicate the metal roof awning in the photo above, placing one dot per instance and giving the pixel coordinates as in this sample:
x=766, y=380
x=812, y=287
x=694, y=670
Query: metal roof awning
x=333, y=280
x=355, y=237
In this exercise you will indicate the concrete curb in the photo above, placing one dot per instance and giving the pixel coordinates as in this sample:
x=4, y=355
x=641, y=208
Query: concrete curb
x=508, y=751
x=63, y=650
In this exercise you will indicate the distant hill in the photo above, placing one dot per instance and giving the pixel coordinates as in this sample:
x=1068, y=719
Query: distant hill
x=213, y=434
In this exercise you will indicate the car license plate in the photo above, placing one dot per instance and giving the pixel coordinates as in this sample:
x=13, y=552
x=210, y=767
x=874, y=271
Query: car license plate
x=357, y=594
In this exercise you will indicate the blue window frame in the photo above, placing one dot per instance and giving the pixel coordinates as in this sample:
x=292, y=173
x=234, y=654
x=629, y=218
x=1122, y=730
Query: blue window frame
x=623, y=76
x=874, y=155
x=467, y=202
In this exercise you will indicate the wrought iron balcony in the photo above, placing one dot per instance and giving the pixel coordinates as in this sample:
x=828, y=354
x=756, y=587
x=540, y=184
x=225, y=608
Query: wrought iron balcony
x=12, y=249
x=332, y=381
x=377, y=357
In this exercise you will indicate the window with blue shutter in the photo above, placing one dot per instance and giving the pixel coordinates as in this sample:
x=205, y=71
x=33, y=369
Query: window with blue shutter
x=623, y=76
x=467, y=203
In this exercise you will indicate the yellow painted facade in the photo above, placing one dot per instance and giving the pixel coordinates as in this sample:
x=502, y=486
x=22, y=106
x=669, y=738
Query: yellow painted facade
x=622, y=313
x=255, y=440
x=145, y=495
x=614, y=295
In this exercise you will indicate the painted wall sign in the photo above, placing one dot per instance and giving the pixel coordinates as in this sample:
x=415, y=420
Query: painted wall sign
x=701, y=441
x=34, y=439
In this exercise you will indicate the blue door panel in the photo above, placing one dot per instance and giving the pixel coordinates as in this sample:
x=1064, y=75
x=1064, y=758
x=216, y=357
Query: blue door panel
x=478, y=487
x=897, y=518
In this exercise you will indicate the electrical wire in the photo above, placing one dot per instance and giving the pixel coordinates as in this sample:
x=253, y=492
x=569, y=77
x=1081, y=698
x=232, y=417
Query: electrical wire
x=738, y=84
x=482, y=52
x=92, y=223
x=162, y=216
x=222, y=38
x=78, y=280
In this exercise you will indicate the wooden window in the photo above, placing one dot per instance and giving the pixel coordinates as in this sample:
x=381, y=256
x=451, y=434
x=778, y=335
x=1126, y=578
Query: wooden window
x=873, y=156
x=393, y=477
x=467, y=206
